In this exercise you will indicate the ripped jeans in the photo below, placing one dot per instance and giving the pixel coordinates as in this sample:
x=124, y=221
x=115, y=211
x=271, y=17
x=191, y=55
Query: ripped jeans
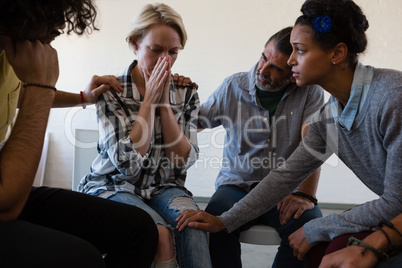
x=191, y=245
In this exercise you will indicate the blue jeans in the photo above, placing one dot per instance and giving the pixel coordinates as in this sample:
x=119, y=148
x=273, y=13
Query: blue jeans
x=191, y=245
x=225, y=247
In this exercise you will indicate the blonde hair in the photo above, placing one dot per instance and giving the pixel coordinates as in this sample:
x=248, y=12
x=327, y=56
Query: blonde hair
x=152, y=14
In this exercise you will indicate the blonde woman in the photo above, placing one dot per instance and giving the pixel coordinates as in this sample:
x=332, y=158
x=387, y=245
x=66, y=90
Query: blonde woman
x=148, y=138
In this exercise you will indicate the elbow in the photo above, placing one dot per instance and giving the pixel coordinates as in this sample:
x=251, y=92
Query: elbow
x=10, y=215
x=10, y=210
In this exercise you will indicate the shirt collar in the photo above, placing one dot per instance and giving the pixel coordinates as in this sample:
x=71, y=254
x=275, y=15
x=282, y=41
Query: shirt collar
x=360, y=87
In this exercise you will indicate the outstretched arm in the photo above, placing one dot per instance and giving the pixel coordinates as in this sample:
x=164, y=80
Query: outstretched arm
x=294, y=205
x=97, y=85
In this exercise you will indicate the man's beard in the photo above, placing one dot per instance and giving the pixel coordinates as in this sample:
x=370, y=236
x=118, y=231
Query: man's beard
x=271, y=86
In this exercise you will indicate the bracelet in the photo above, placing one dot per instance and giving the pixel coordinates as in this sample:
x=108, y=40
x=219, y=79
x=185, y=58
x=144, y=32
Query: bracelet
x=386, y=236
x=307, y=196
x=39, y=85
x=390, y=225
x=392, y=249
x=357, y=242
x=82, y=101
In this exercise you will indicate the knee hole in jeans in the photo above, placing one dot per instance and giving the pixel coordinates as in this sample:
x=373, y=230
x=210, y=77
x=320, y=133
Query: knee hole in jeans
x=183, y=203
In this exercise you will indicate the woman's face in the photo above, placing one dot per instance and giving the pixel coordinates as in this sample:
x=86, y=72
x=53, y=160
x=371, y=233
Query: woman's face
x=159, y=41
x=310, y=63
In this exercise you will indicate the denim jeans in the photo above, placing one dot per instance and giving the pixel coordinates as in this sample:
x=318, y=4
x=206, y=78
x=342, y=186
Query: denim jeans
x=191, y=245
x=225, y=247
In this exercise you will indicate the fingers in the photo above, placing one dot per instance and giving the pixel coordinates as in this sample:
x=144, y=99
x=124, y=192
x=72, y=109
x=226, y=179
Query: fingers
x=110, y=80
x=299, y=244
x=285, y=210
x=176, y=79
x=185, y=218
x=199, y=219
x=299, y=212
x=159, y=74
x=99, y=85
x=161, y=70
x=33, y=61
x=195, y=85
x=199, y=226
x=182, y=81
x=298, y=255
x=93, y=96
x=196, y=219
x=157, y=85
x=293, y=206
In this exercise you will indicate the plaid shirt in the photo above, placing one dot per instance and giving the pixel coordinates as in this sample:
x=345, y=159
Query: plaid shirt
x=118, y=166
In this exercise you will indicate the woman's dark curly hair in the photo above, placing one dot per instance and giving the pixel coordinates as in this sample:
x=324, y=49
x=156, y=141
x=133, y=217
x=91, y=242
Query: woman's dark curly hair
x=348, y=24
x=25, y=19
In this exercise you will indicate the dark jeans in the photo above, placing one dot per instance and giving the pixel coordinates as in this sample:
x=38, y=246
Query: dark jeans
x=225, y=247
x=61, y=228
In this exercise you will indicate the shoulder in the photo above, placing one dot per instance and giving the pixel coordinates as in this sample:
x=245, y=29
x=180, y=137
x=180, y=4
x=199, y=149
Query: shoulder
x=386, y=87
x=236, y=83
x=386, y=79
x=385, y=74
x=185, y=94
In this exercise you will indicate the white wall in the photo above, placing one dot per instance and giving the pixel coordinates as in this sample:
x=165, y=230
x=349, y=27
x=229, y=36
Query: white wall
x=225, y=36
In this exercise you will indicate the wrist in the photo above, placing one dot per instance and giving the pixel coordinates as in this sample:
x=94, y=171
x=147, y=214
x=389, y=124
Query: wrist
x=164, y=107
x=83, y=103
x=368, y=249
x=221, y=226
x=148, y=105
x=39, y=85
x=306, y=196
x=34, y=95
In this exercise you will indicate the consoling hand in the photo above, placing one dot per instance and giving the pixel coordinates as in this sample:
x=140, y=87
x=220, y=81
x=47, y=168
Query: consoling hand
x=299, y=243
x=293, y=206
x=182, y=81
x=199, y=219
x=99, y=85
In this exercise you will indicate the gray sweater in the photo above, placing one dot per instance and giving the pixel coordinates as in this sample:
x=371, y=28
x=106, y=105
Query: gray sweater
x=372, y=149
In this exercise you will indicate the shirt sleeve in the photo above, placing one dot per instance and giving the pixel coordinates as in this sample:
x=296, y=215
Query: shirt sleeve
x=188, y=124
x=115, y=124
x=211, y=110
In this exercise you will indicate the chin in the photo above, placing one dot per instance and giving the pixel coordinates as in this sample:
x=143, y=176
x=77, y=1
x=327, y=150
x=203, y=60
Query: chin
x=300, y=83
